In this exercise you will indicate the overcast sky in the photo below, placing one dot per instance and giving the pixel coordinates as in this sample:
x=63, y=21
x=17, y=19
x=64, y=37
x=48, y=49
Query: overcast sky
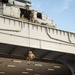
x=61, y=11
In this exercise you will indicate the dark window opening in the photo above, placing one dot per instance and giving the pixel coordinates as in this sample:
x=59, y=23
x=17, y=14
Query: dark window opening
x=25, y=13
x=39, y=15
x=4, y=1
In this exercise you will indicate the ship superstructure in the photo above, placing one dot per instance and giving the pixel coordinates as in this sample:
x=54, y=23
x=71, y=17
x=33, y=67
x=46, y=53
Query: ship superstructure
x=21, y=33
x=21, y=9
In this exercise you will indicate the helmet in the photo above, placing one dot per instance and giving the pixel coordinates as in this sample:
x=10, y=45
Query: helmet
x=30, y=51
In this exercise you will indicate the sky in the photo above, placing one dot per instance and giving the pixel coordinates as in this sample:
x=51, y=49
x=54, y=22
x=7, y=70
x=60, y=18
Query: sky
x=61, y=11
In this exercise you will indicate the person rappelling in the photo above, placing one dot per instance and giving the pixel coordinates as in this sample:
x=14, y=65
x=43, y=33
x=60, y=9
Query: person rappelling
x=30, y=57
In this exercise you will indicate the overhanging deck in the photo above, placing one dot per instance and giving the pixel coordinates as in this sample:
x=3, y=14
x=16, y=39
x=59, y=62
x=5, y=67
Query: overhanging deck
x=37, y=36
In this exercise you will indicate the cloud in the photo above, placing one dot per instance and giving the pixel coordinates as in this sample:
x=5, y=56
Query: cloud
x=37, y=5
x=65, y=5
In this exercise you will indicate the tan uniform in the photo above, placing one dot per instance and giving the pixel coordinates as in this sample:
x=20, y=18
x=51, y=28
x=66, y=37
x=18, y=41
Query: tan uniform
x=32, y=17
x=31, y=56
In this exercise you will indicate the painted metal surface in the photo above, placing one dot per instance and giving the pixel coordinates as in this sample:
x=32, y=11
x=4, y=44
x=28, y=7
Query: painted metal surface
x=35, y=35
